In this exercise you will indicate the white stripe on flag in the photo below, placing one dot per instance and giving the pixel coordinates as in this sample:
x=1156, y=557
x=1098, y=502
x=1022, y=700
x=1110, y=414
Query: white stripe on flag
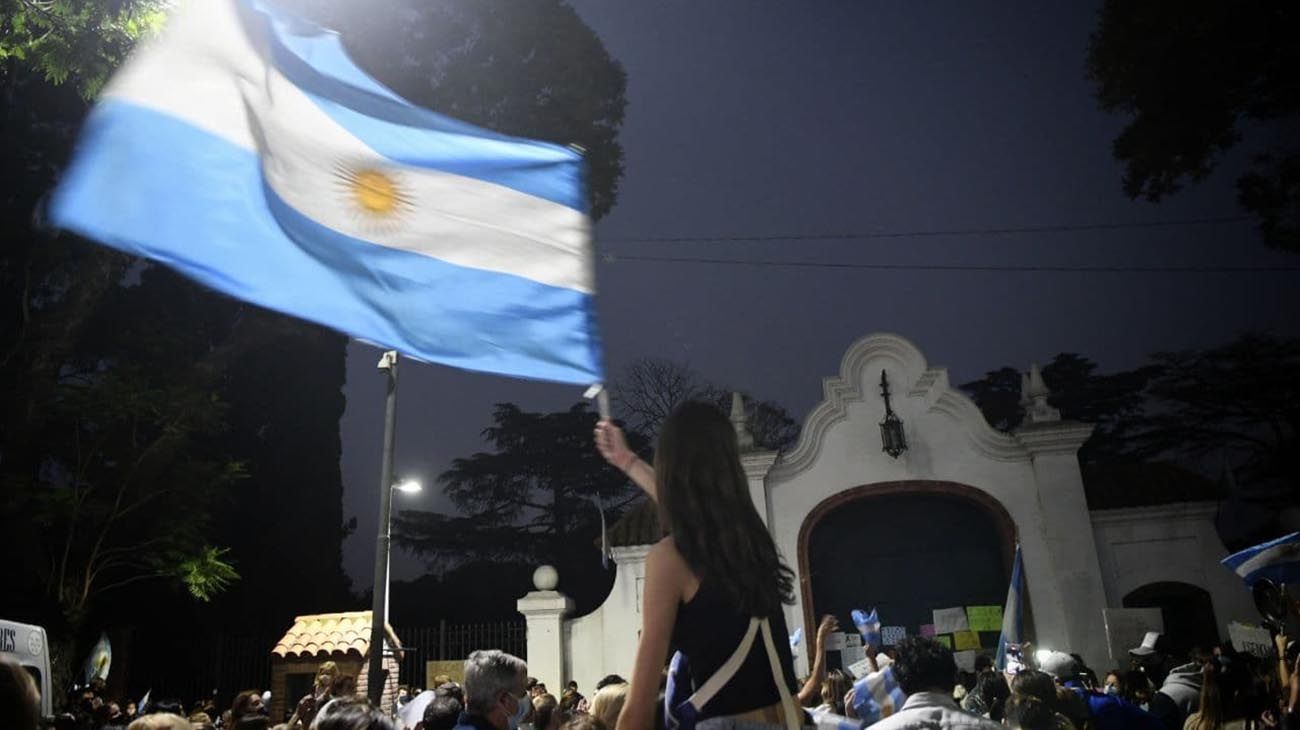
x=204, y=70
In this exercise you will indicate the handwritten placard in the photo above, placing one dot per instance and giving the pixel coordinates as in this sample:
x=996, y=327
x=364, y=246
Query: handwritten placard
x=950, y=620
x=965, y=660
x=927, y=630
x=965, y=640
x=945, y=640
x=852, y=655
x=851, y=639
x=860, y=669
x=1252, y=640
x=891, y=635
x=835, y=641
x=984, y=618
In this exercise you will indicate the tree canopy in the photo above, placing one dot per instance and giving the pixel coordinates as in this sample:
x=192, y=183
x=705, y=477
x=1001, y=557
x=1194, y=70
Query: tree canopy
x=1228, y=407
x=649, y=388
x=1195, y=79
x=535, y=497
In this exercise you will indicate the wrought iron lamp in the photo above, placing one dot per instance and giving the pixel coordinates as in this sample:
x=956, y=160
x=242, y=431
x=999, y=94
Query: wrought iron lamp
x=892, y=440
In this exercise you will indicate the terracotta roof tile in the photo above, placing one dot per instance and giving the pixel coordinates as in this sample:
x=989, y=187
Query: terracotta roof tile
x=328, y=634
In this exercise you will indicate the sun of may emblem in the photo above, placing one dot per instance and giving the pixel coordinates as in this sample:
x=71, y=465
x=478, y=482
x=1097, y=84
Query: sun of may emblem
x=375, y=195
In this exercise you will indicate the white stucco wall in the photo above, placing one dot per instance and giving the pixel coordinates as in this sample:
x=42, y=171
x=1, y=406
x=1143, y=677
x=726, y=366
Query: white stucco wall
x=604, y=641
x=1176, y=542
x=1036, y=480
x=1075, y=563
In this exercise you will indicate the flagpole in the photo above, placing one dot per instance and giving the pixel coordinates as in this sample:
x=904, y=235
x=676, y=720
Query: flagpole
x=379, y=607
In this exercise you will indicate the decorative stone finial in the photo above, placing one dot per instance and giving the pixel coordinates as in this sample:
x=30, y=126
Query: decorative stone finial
x=738, y=421
x=1033, y=396
x=546, y=578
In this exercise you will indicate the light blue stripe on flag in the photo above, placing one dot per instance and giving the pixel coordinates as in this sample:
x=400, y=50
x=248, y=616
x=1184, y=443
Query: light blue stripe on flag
x=407, y=229
x=1012, y=613
x=1278, y=560
x=314, y=60
x=220, y=230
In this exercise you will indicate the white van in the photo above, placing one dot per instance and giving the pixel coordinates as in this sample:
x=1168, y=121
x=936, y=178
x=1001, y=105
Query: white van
x=27, y=646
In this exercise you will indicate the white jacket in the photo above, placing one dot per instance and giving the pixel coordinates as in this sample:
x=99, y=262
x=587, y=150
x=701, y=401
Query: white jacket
x=934, y=711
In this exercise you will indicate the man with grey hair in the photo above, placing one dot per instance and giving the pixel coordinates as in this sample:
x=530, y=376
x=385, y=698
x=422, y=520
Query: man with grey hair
x=496, y=692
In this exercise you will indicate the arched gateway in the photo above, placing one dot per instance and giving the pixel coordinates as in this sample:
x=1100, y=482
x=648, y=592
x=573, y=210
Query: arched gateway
x=933, y=526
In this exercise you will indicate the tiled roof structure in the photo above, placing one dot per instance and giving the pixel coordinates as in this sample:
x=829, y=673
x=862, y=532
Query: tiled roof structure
x=326, y=634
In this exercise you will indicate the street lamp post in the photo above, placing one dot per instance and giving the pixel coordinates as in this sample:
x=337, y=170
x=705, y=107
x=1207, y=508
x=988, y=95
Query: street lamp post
x=379, y=606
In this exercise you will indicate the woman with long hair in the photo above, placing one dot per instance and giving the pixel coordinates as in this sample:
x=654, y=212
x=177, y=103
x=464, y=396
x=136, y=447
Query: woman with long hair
x=707, y=582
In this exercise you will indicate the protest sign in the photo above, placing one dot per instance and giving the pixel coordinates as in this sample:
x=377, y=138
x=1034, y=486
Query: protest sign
x=944, y=639
x=852, y=655
x=852, y=640
x=927, y=630
x=891, y=635
x=1125, y=628
x=964, y=640
x=835, y=641
x=1253, y=640
x=860, y=669
x=984, y=618
x=965, y=660
x=950, y=620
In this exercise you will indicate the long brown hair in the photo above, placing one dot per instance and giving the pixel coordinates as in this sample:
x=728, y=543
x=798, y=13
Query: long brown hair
x=704, y=502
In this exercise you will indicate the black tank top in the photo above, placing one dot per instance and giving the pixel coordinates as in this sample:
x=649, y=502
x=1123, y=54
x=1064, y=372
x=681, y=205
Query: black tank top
x=708, y=630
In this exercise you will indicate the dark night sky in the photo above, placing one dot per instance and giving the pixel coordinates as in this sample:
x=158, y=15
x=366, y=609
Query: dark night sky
x=786, y=118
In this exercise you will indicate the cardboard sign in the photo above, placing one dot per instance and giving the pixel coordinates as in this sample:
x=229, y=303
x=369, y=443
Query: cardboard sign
x=950, y=620
x=852, y=655
x=927, y=630
x=945, y=640
x=860, y=669
x=984, y=618
x=835, y=641
x=1253, y=640
x=966, y=640
x=1125, y=628
x=891, y=635
x=965, y=660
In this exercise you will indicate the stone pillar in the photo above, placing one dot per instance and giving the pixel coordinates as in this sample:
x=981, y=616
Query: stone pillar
x=544, y=610
x=1063, y=580
x=756, y=463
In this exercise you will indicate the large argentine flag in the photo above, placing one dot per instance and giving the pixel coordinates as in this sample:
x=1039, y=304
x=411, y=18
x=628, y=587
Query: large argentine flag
x=1277, y=560
x=1012, y=613
x=248, y=152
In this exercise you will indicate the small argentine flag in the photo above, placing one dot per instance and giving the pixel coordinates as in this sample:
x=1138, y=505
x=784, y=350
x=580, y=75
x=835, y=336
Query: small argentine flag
x=1012, y=613
x=1278, y=560
x=877, y=696
x=248, y=152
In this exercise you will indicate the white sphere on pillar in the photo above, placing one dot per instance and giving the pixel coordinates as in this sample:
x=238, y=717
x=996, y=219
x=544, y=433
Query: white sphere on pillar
x=546, y=578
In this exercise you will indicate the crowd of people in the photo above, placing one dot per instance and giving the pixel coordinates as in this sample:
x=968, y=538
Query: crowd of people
x=714, y=592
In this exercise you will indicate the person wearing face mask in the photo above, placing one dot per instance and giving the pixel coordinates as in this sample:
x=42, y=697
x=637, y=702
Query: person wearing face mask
x=1114, y=685
x=496, y=692
x=1104, y=710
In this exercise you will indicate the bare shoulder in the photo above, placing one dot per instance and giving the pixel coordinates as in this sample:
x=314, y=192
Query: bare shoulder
x=668, y=561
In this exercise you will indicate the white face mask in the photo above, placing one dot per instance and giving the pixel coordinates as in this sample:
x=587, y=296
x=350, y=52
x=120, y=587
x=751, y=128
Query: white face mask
x=1112, y=689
